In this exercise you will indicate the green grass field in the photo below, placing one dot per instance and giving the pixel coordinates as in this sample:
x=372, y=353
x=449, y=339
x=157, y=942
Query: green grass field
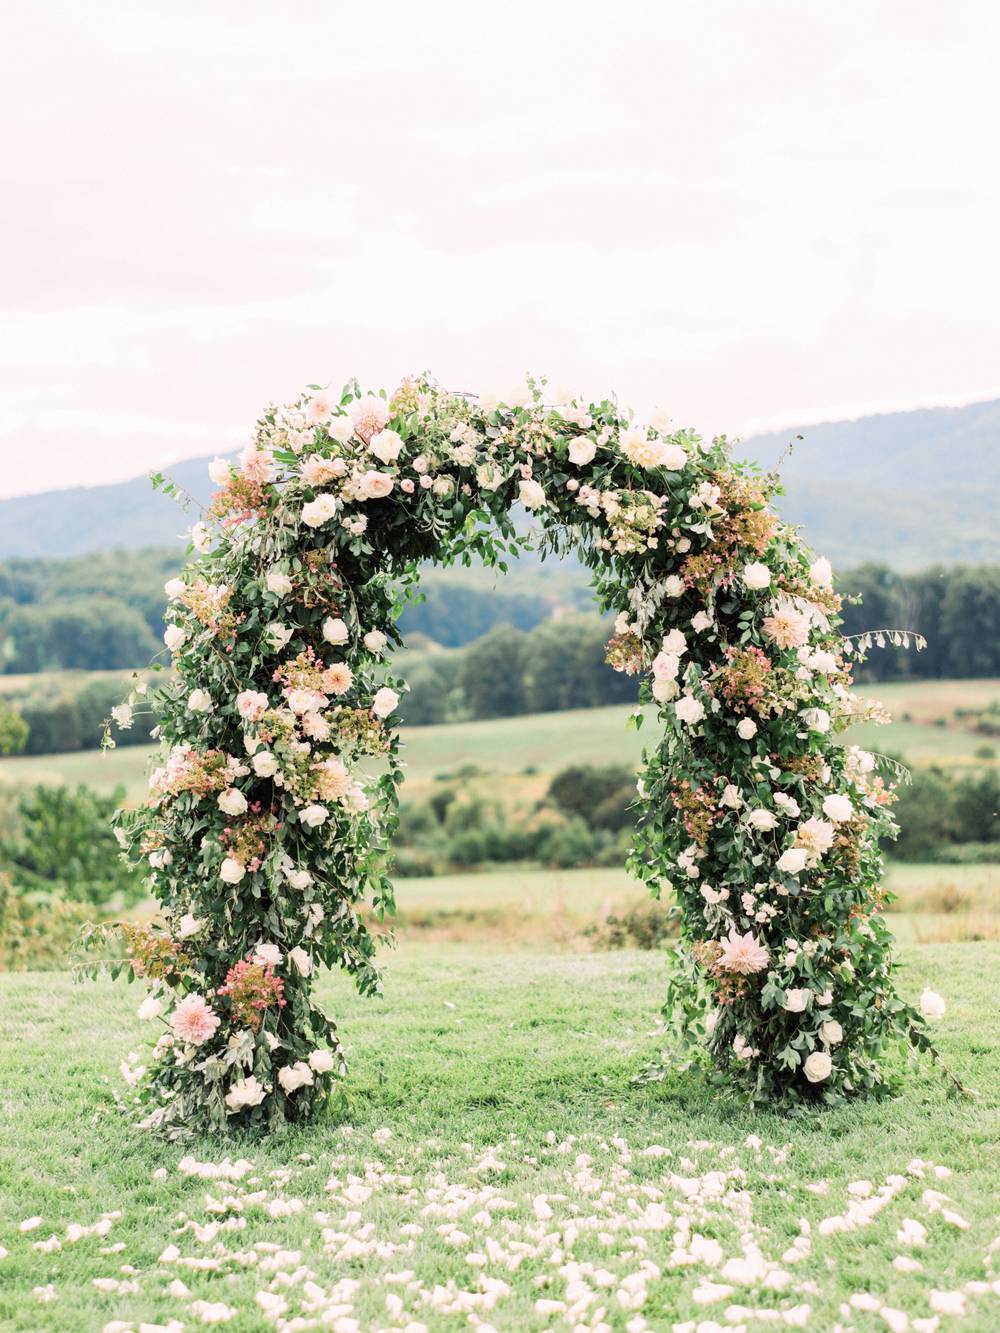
x=491, y=1158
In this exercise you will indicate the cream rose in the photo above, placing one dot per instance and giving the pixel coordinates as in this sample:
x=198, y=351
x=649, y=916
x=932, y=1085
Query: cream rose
x=818, y=1066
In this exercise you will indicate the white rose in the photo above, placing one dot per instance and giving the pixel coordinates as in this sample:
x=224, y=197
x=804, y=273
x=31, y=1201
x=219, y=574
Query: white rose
x=199, y=701
x=173, y=637
x=278, y=582
x=321, y=1062
x=793, y=861
x=386, y=446
x=334, y=630
x=831, y=1032
x=762, y=819
x=277, y=635
x=816, y=719
x=674, y=642
x=174, y=588
x=188, y=925
x=385, y=702
x=531, y=494
x=267, y=955
x=319, y=511
x=299, y=879
x=375, y=485
x=666, y=666
x=519, y=396
x=731, y=797
x=838, y=808
x=295, y=1076
x=231, y=870
x=689, y=709
x=340, y=428
x=673, y=585
x=375, y=641
x=232, y=802
x=797, y=1001
x=264, y=764
x=248, y=1092
x=313, y=816
x=660, y=421
x=932, y=1005
x=674, y=457
x=817, y=1067
x=220, y=470
x=788, y=805
x=821, y=572
x=301, y=959
x=756, y=575
x=664, y=690
x=701, y=622
x=582, y=450
x=746, y=729
x=151, y=1007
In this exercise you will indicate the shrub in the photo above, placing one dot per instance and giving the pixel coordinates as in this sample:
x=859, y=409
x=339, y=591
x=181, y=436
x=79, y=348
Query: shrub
x=64, y=845
x=37, y=930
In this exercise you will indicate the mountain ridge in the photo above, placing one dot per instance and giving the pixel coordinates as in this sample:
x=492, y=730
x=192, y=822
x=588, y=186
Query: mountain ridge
x=908, y=489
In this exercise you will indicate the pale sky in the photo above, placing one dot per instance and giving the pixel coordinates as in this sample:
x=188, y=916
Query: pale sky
x=748, y=213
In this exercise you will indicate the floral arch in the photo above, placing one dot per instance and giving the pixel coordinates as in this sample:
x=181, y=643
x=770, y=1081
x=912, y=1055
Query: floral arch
x=263, y=844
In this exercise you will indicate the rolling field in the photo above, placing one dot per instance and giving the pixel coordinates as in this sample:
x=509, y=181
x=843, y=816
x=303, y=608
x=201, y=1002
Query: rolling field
x=513, y=757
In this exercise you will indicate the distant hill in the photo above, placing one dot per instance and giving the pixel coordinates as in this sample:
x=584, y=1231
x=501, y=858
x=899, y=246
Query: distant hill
x=908, y=489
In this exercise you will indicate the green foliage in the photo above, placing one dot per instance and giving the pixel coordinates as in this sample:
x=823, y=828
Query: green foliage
x=37, y=930
x=62, y=715
x=601, y=796
x=90, y=633
x=956, y=609
x=64, y=846
x=938, y=814
x=13, y=729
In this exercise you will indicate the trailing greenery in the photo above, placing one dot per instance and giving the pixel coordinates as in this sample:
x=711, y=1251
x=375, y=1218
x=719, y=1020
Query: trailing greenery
x=61, y=715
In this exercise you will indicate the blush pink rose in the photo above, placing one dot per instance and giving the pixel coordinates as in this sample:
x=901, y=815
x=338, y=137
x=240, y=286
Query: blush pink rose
x=251, y=705
x=375, y=485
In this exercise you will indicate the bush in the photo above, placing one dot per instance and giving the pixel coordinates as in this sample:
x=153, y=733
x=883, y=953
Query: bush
x=647, y=926
x=599, y=795
x=64, y=846
x=942, y=818
x=37, y=930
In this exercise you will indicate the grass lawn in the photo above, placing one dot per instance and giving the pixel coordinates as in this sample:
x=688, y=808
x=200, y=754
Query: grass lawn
x=491, y=1163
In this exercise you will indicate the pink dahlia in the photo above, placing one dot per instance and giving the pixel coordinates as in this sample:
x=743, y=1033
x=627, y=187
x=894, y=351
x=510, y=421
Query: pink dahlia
x=193, y=1020
x=370, y=415
x=743, y=953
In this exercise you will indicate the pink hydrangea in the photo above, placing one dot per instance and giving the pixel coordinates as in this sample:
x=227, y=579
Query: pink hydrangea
x=194, y=1020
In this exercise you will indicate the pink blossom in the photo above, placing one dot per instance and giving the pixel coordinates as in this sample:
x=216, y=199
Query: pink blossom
x=193, y=1020
x=370, y=415
x=320, y=407
x=743, y=953
x=257, y=464
x=317, y=470
x=251, y=705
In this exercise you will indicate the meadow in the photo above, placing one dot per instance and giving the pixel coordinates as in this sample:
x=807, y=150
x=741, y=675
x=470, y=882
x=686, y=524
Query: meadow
x=491, y=1164
x=512, y=757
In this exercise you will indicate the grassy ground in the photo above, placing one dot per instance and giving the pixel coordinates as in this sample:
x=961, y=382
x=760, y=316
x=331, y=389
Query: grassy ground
x=491, y=1154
